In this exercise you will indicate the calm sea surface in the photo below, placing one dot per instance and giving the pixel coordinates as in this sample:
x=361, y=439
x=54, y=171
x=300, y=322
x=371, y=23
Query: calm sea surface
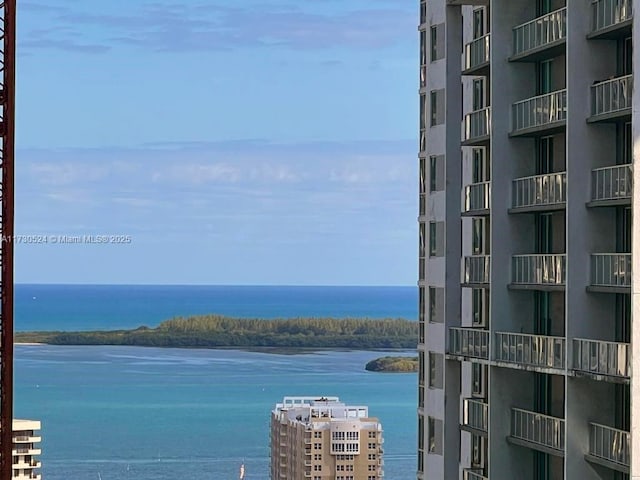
x=120, y=413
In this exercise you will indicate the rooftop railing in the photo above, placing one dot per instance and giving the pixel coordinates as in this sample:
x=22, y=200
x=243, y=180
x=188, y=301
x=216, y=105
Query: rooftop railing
x=476, y=52
x=611, y=269
x=612, y=183
x=476, y=269
x=540, y=32
x=540, y=190
x=469, y=342
x=539, y=269
x=611, y=96
x=477, y=124
x=539, y=111
x=530, y=350
x=475, y=414
x=538, y=429
x=602, y=358
x=609, y=444
x=477, y=196
x=608, y=13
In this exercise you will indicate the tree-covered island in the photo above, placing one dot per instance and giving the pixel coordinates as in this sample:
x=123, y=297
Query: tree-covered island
x=393, y=365
x=216, y=331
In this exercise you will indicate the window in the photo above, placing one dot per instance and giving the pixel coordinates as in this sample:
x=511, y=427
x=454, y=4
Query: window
x=477, y=451
x=317, y=434
x=544, y=155
x=421, y=367
x=318, y=467
x=353, y=447
x=480, y=236
x=478, y=376
x=423, y=11
x=625, y=56
x=544, y=78
x=480, y=165
x=433, y=173
x=423, y=48
x=423, y=175
x=317, y=456
x=437, y=42
x=479, y=307
x=372, y=446
x=437, y=107
x=478, y=23
x=436, y=363
x=423, y=112
x=423, y=240
x=372, y=435
x=479, y=91
x=353, y=435
x=337, y=447
x=317, y=446
x=337, y=435
x=434, y=431
x=433, y=239
x=371, y=456
x=436, y=305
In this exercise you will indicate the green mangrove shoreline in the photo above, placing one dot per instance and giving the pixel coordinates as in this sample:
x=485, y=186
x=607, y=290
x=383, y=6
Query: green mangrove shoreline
x=216, y=331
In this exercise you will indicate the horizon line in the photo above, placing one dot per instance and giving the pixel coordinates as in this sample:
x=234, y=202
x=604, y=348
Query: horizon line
x=213, y=285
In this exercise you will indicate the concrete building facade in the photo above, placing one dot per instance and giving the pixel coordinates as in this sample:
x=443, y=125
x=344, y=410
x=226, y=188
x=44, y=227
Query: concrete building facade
x=321, y=438
x=25, y=450
x=528, y=121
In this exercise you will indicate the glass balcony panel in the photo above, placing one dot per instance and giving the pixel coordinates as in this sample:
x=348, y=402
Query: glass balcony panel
x=476, y=269
x=469, y=342
x=612, y=183
x=477, y=124
x=612, y=95
x=539, y=190
x=476, y=53
x=540, y=32
x=539, y=269
x=475, y=414
x=477, y=196
x=539, y=111
x=611, y=270
x=531, y=350
x=537, y=428
x=609, y=443
x=602, y=358
x=608, y=13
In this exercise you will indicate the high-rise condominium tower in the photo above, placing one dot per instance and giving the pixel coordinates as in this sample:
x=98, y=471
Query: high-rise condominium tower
x=528, y=117
x=321, y=438
x=25, y=449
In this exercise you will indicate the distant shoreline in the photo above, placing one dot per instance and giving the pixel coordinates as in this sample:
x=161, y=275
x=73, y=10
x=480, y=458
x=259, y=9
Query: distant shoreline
x=30, y=344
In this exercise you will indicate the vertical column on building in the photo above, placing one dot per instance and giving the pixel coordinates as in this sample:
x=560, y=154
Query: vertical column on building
x=439, y=237
x=511, y=310
x=589, y=315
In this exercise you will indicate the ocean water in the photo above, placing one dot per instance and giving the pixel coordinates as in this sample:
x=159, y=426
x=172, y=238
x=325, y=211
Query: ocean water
x=95, y=307
x=120, y=413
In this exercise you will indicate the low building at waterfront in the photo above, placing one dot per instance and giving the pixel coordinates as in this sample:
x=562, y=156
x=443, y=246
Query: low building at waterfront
x=25, y=450
x=322, y=438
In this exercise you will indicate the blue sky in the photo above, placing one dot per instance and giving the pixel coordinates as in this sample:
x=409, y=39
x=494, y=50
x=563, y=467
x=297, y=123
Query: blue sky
x=253, y=142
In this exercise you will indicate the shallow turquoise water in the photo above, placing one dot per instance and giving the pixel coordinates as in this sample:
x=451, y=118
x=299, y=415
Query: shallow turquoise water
x=119, y=413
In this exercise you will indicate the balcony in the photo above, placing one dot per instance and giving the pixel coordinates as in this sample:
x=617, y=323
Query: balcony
x=609, y=447
x=611, y=99
x=530, y=352
x=539, y=193
x=538, y=272
x=469, y=343
x=611, y=186
x=476, y=199
x=477, y=56
x=476, y=127
x=473, y=474
x=610, y=272
x=602, y=359
x=541, y=38
x=475, y=415
x=611, y=18
x=476, y=270
x=537, y=431
x=541, y=114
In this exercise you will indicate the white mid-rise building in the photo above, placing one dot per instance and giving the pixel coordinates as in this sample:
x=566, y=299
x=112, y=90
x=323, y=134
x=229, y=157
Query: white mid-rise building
x=25, y=449
x=528, y=245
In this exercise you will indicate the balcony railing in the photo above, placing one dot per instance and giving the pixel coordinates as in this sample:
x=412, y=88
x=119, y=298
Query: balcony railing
x=530, y=350
x=477, y=124
x=602, y=358
x=540, y=32
x=540, y=190
x=475, y=414
x=612, y=96
x=542, y=269
x=476, y=53
x=611, y=270
x=539, y=111
x=609, y=444
x=608, y=13
x=476, y=269
x=611, y=183
x=537, y=428
x=470, y=474
x=469, y=342
x=477, y=196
